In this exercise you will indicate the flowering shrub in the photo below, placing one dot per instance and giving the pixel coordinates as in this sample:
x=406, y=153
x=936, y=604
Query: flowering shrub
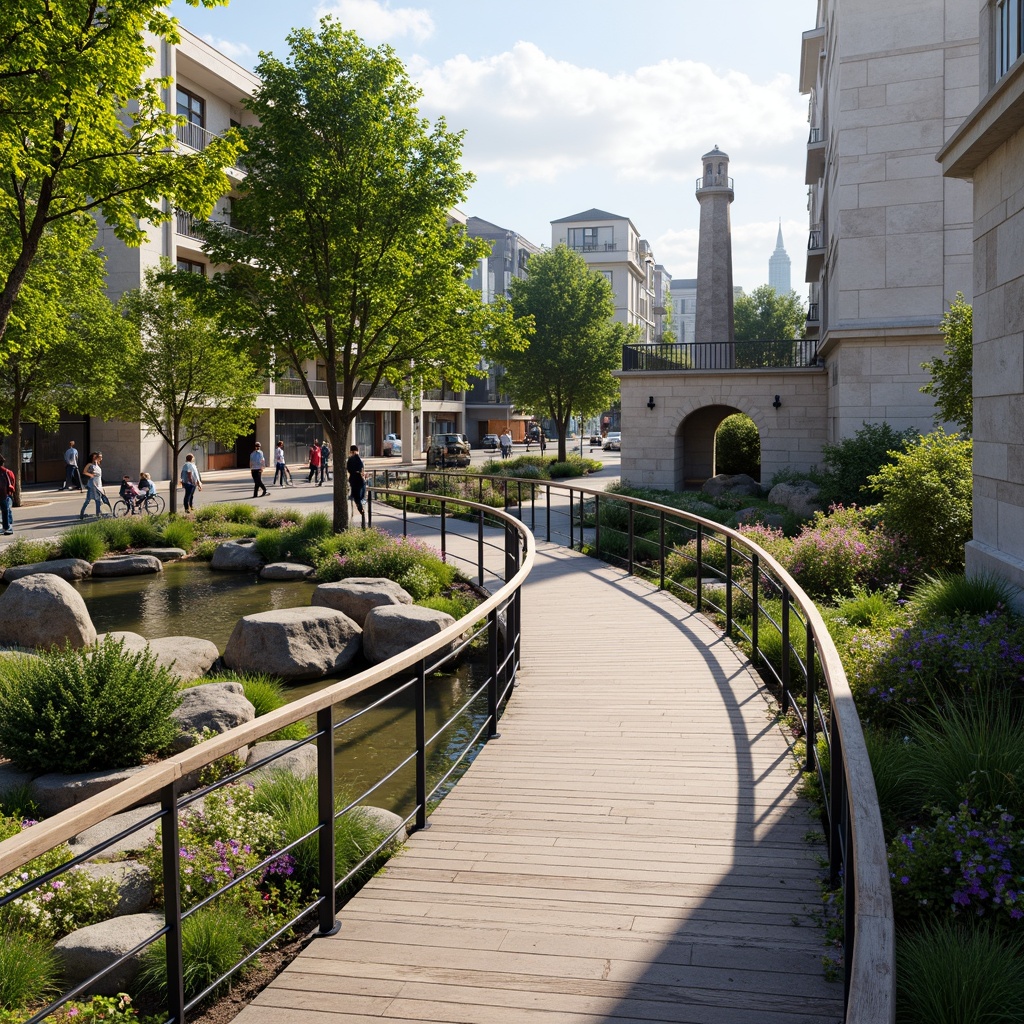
x=110, y=1009
x=374, y=553
x=69, y=901
x=840, y=552
x=922, y=663
x=967, y=863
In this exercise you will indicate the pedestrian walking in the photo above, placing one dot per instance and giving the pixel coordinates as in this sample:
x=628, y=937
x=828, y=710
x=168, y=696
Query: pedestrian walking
x=325, y=462
x=9, y=500
x=505, y=441
x=257, y=463
x=93, y=474
x=356, y=480
x=543, y=442
x=6, y=491
x=314, y=462
x=191, y=481
x=280, y=465
x=72, y=477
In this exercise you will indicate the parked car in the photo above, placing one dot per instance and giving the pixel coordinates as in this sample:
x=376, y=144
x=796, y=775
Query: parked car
x=596, y=440
x=447, y=450
x=611, y=441
x=491, y=442
x=392, y=444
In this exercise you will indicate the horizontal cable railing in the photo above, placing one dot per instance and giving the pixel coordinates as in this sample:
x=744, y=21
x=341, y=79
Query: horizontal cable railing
x=725, y=355
x=755, y=601
x=504, y=556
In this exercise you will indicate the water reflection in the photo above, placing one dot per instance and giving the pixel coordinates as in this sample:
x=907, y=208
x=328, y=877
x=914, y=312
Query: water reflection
x=187, y=599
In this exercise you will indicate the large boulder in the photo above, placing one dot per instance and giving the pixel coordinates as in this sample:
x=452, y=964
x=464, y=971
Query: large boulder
x=42, y=610
x=800, y=497
x=113, y=826
x=758, y=515
x=132, y=642
x=91, y=949
x=286, y=571
x=133, y=881
x=391, y=629
x=187, y=657
x=357, y=595
x=164, y=554
x=294, y=643
x=57, y=791
x=126, y=565
x=69, y=569
x=300, y=762
x=214, y=706
x=735, y=483
x=236, y=556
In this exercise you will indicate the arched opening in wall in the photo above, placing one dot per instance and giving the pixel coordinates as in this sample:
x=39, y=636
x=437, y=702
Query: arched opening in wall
x=697, y=454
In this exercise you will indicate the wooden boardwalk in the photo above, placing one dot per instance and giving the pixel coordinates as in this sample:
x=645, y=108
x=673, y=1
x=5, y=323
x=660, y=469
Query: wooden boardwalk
x=631, y=849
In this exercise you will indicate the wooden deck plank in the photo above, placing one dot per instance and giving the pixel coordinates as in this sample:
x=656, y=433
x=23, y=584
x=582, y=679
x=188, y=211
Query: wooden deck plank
x=631, y=848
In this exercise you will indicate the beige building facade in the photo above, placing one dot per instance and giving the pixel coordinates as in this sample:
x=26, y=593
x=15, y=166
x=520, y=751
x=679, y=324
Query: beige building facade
x=987, y=149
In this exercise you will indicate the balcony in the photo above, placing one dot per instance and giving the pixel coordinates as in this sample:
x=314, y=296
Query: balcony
x=815, y=254
x=713, y=181
x=715, y=356
x=198, y=138
x=293, y=386
x=191, y=227
x=812, y=49
x=813, y=324
x=815, y=169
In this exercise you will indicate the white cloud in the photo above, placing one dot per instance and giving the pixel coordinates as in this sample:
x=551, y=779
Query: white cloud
x=379, y=22
x=238, y=52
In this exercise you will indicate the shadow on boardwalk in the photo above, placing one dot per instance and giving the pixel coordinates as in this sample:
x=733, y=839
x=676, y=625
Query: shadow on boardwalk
x=631, y=849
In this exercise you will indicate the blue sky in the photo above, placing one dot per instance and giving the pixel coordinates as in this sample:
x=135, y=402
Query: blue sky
x=573, y=104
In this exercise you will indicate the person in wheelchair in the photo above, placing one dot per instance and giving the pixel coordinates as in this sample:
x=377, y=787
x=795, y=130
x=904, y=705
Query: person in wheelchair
x=130, y=493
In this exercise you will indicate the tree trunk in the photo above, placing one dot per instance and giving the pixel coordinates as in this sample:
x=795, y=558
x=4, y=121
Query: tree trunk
x=172, y=498
x=16, y=441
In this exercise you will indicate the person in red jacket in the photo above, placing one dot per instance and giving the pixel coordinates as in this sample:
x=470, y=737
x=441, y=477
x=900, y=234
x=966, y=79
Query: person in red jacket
x=314, y=462
x=7, y=485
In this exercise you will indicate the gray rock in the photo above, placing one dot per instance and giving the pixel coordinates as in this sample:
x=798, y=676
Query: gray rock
x=758, y=515
x=164, y=554
x=12, y=779
x=214, y=706
x=42, y=610
x=294, y=643
x=111, y=826
x=736, y=483
x=57, y=792
x=187, y=657
x=800, y=497
x=236, y=556
x=703, y=509
x=300, y=762
x=126, y=565
x=132, y=642
x=69, y=569
x=134, y=884
x=387, y=821
x=357, y=595
x=392, y=629
x=286, y=571
x=91, y=949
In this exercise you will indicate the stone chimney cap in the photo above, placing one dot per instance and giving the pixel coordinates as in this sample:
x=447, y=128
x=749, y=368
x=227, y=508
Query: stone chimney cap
x=715, y=152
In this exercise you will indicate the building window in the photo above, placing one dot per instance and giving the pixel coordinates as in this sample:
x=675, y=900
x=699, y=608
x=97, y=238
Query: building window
x=607, y=275
x=191, y=267
x=591, y=239
x=1009, y=35
x=191, y=107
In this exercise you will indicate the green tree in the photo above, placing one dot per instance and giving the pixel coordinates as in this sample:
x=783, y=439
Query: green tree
x=64, y=340
x=348, y=255
x=181, y=377
x=738, y=446
x=951, y=378
x=762, y=321
x=82, y=132
x=567, y=367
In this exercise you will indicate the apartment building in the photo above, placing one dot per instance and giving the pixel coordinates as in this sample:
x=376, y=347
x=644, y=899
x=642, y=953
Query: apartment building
x=684, y=309
x=612, y=246
x=986, y=148
x=889, y=243
x=662, y=308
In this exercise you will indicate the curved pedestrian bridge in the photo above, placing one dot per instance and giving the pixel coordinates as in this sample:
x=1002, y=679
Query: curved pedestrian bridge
x=632, y=847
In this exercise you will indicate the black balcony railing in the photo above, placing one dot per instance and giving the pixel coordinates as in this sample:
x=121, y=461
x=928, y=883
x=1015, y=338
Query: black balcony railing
x=814, y=137
x=714, y=181
x=815, y=240
x=737, y=355
x=812, y=312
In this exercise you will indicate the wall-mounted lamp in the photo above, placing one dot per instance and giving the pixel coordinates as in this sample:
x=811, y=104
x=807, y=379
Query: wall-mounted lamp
x=650, y=402
x=778, y=402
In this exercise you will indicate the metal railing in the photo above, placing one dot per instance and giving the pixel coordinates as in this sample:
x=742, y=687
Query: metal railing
x=814, y=137
x=815, y=240
x=812, y=312
x=198, y=138
x=713, y=181
x=293, y=386
x=504, y=556
x=737, y=355
x=756, y=602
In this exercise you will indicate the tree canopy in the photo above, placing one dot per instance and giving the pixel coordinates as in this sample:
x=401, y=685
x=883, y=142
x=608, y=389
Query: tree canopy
x=764, y=315
x=567, y=366
x=952, y=378
x=82, y=131
x=347, y=254
x=181, y=377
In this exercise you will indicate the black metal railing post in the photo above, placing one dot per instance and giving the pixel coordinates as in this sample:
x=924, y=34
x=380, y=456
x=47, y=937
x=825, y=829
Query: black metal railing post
x=170, y=855
x=784, y=668
x=700, y=566
x=547, y=528
x=421, y=745
x=630, y=534
x=755, y=566
x=597, y=526
x=328, y=910
x=836, y=803
x=661, y=548
x=492, y=672
x=444, y=526
x=810, y=711
x=728, y=585
x=480, y=547
x=405, y=516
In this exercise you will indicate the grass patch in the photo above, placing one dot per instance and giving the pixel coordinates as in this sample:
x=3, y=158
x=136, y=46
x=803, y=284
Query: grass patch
x=952, y=595
x=88, y=542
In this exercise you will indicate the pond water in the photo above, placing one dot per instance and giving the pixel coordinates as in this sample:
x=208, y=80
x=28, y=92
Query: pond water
x=188, y=599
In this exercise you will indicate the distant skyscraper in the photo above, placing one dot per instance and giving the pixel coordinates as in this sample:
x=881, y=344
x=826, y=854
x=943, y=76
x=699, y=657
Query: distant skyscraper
x=778, y=267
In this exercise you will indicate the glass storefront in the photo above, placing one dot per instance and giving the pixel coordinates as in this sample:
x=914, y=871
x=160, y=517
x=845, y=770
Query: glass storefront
x=42, y=452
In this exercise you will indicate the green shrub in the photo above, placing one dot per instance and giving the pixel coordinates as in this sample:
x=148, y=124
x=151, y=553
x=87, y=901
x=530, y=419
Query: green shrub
x=265, y=693
x=179, y=533
x=116, y=532
x=27, y=552
x=241, y=512
x=203, y=551
x=890, y=754
x=849, y=463
x=80, y=711
x=374, y=553
x=926, y=496
x=455, y=605
x=144, y=531
x=953, y=974
x=88, y=542
x=951, y=595
x=28, y=968
x=738, y=446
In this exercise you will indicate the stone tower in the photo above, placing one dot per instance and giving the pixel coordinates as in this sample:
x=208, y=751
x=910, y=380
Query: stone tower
x=714, y=264
x=779, y=266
